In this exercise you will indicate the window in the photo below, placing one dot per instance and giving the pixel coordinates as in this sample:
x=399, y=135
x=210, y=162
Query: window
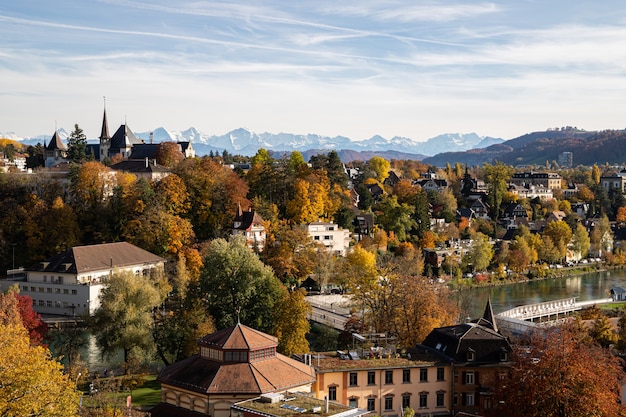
x=370, y=404
x=24, y=288
x=332, y=393
x=353, y=402
x=406, y=376
x=66, y=291
x=406, y=401
x=49, y=290
x=48, y=303
x=469, y=398
x=455, y=399
x=471, y=356
x=32, y=289
x=389, y=377
x=45, y=278
x=469, y=378
x=328, y=237
x=441, y=374
x=74, y=292
x=440, y=398
x=486, y=402
x=353, y=379
x=423, y=374
x=371, y=378
x=388, y=403
x=423, y=400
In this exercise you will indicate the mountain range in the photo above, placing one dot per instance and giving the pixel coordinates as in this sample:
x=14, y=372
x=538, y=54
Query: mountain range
x=536, y=148
x=246, y=142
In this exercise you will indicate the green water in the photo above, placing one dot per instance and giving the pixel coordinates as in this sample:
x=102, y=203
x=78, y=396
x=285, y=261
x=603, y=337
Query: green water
x=585, y=287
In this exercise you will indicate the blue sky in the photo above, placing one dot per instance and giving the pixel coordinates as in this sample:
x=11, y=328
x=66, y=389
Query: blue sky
x=352, y=68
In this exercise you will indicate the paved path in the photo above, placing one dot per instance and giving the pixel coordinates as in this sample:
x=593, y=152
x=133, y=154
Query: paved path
x=330, y=310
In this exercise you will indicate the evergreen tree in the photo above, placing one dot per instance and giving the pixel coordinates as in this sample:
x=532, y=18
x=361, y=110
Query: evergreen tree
x=77, y=146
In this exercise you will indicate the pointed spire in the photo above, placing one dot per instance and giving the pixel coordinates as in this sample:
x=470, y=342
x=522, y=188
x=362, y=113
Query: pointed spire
x=489, y=316
x=104, y=133
x=239, y=211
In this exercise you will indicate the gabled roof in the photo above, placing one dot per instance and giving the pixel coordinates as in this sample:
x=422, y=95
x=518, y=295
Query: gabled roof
x=123, y=138
x=106, y=256
x=239, y=337
x=245, y=219
x=480, y=337
x=56, y=143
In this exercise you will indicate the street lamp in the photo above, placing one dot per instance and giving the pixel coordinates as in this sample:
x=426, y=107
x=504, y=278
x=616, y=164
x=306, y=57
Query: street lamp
x=13, y=247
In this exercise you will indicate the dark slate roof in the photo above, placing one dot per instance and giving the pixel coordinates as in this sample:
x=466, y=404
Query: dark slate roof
x=123, y=138
x=247, y=219
x=56, y=143
x=139, y=166
x=105, y=256
x=104, y=133
x=480, y=337
x=144, y=150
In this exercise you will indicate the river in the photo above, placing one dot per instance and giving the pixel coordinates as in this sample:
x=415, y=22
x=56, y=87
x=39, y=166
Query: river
x=584, y=287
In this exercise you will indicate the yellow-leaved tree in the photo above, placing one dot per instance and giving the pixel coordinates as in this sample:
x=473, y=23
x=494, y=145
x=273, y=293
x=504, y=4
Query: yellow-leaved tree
x=291, y=324
x=32, y=383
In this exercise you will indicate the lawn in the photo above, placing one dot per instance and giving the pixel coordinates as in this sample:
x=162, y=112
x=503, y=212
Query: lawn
x=148, y=394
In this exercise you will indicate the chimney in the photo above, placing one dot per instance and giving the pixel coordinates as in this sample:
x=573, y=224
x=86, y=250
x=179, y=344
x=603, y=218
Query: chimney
x=151, y=137
x=147, y=162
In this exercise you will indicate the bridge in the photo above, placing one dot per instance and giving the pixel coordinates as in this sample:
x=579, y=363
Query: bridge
x=329, y=310
x=523, y=318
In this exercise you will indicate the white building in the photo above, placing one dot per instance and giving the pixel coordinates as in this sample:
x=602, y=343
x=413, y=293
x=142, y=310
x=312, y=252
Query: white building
x=333, y=237
x=70, y=283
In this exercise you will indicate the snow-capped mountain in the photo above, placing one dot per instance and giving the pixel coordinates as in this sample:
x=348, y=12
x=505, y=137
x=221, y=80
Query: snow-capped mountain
x=246, y=142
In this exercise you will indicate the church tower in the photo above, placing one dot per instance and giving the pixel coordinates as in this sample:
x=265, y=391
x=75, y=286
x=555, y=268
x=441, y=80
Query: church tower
x=105, y=138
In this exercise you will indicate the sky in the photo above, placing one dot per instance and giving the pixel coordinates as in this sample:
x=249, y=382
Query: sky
x=354, y=68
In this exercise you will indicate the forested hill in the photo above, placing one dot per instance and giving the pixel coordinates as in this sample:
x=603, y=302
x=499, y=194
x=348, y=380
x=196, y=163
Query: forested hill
x=608, y=146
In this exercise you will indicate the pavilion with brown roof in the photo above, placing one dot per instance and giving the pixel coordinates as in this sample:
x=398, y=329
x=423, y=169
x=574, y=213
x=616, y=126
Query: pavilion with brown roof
x=234, y=364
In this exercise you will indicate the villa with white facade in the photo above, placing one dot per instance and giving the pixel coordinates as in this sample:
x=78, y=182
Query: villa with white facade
x=70, y=283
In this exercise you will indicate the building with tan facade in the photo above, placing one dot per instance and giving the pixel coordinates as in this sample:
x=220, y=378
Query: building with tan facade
x=385, y=385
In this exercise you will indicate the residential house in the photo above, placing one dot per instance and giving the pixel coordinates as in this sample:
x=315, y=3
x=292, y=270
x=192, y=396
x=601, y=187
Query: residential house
x=480, y=209
x=514, y=210
x=550, y=180
x=479, y=356
x=555, y=216
x=392, y=179
x=292, y=404
x=70, y=283
x=363, y=226
x=385, y=383
x=250, y=224
x=531, y=191
x=614, y=180
x=334, y=238
x=233, y=364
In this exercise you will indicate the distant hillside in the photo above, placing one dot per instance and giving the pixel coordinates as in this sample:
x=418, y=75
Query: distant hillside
x=347, y=155
x=538, y=147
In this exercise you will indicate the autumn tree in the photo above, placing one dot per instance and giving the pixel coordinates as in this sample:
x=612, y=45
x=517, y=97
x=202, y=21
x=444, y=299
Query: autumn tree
x=580, y=241
x=291, y=252
x=380, y=166
x=10, y=302
x=124, y=319
x=394, y=217
x=214, y=191
x=184, y=319
x=497, y=177
x=480, y=253
x=237, y=286
x=560, y=234
x=291, y=324
x=32, y=383
x=560, y=372
x=168, y=154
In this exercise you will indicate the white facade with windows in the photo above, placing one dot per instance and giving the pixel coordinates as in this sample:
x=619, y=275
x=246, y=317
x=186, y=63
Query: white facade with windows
x=69, y=284
x=334, y=238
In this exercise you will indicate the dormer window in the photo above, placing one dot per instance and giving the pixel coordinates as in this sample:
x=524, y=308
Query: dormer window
x=471, y=355
x=235, y=356
x=504, y=355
